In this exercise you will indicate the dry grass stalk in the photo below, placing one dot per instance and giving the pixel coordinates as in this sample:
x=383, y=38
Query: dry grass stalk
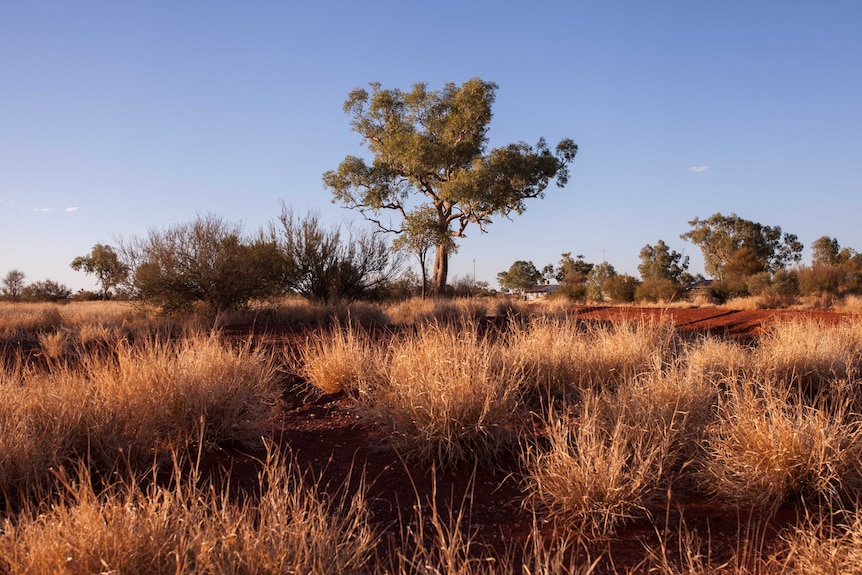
x=599, y=467
x=446, y=395
x=188, y=528
x=559, y=355
x=811, y=355
x=767, y=444
x=339, y=358
x=146, y=401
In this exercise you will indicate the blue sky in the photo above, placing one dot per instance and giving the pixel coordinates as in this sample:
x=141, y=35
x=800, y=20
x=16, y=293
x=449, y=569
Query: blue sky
x=116, y=117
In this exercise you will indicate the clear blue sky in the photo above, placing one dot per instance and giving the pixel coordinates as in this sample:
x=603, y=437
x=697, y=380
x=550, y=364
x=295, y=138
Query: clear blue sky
x=120, y=116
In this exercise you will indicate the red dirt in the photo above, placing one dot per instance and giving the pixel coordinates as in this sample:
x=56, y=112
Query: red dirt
x=326, y=438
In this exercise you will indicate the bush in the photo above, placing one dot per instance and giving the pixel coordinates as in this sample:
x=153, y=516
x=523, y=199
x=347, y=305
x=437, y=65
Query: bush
x=204, y=261
x=659, y=290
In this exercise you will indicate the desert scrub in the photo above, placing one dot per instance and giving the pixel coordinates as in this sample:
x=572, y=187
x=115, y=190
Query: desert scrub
x=768, y=443
x=809, y=354
x=339, y=358
x=142, y=402
x=446, y=394
x=598, y=468
x=715, y=361
x=563, y=354
x=189, y=527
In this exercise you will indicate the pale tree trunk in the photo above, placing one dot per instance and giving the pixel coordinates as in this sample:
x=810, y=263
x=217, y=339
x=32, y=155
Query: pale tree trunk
x=441, y=271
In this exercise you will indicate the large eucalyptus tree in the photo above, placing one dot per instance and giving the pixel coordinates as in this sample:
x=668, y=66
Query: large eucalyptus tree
x=429, y=149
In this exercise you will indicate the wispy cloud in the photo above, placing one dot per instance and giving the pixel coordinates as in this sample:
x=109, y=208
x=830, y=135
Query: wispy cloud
x=699, y=168
x=69, y=209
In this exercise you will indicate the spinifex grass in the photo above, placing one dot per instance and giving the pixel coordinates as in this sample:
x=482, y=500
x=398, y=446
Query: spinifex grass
x=135, y=405
x=562, y=354
x=809, y=355
x=446, y=394
x=339, y=358
x=767, y=444
x=599, y=466
x=188, y=527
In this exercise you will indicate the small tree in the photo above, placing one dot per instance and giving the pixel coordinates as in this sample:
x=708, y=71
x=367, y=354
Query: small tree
x=205, y=260
x=46, y=290
x=105, y=264
x=521, y=276
x=721, y=237
x=13, y=285
x=326, y=267
x=659, y=262
x=597, y=280
x=573, y=271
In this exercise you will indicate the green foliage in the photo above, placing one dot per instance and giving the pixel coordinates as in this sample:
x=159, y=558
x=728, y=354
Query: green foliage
x=597, y=281
x=431, y=146
x=521, y=276
x=325, y=267
x=761, y=248
x=570, y=271
x=205, y=260
x=621, y=287
x=103, y=262
x=659, y=262
x=825, y=251
x=46, y=290
x=13, y=285
x=664, y=290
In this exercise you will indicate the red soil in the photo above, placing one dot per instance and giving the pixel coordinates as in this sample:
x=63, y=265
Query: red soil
x=327, y=439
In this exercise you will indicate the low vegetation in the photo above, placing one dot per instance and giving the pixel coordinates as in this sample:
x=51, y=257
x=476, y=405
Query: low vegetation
x=106, y=412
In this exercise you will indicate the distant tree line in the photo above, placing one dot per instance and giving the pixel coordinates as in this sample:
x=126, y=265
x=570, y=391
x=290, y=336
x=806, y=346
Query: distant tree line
x=210, y=263
x=743, y=258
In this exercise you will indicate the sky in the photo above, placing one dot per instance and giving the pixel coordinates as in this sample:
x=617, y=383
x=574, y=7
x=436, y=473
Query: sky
x=121, y=117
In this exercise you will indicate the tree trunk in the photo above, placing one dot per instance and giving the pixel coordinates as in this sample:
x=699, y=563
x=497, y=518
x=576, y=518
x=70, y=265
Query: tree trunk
x=441, y=271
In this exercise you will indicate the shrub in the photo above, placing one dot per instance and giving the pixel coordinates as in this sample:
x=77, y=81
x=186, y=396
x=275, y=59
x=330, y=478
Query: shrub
x=446, y=395
x=659, y=290
x=598, y=467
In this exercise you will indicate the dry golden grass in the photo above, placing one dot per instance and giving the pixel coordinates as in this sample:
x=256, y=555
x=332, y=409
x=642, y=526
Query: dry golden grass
x=293, y=527
x=446, y=394
x=558, y=355
x=716, y=361
x=146, y=401
x=768, y=444
x=810, y=355
x=599, y=466
x=823, y=547
x=339, y=359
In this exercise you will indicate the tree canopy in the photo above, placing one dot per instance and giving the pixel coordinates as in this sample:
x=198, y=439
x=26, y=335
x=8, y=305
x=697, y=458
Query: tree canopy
x=521, y=276
x=659, y=262
x=429, y=149
x=105, y=264
x=732, y=245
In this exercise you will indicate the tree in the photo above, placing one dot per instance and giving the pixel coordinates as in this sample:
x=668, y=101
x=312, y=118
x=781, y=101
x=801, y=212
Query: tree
x=597, y=280
x=324, y=266
x=429, y=149
x=825, y=251
x=721, y=237
x=206, y=260
x=571, y=270
x=659, y=262
x=420, y=236
x=105, y=264
x=13, y=285
x=46, y=290
x=520, y=276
